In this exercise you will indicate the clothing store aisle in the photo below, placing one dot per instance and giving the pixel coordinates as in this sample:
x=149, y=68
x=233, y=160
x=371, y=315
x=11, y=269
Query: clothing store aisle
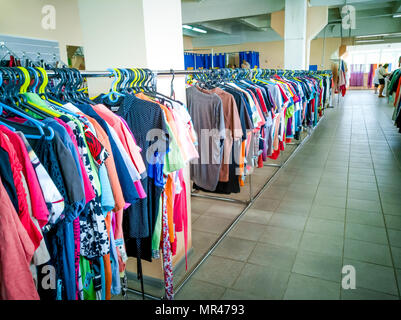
x=336, y=203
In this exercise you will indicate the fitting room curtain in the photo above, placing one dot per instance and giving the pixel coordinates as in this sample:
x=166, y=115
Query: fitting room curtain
x=356, y=79
x=251, y=57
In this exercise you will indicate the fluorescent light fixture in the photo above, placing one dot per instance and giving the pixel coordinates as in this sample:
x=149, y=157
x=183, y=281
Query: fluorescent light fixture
x=367, y=41
x=185, y=26
x=199, y=30
x=373, y=35
x=397, y=15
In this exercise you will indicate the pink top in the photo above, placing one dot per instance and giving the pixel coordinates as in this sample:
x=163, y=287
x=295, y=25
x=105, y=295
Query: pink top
x=89, y=192
x=16, y=252
x=39, y=208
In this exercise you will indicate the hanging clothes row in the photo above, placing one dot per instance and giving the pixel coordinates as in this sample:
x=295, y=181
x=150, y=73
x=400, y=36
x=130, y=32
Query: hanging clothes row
x=393, y=91
x=87, y=183
x=241, y=120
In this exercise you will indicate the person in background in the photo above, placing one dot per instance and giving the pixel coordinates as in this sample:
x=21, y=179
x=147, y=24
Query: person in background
x=381, y=75
x=376, y=78
x=245, y=65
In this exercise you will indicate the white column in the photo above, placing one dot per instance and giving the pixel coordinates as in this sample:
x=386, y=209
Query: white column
x=131, y=33
x=295, y=34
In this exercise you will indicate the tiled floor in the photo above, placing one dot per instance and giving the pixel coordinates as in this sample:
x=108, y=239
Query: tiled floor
x=336, y=203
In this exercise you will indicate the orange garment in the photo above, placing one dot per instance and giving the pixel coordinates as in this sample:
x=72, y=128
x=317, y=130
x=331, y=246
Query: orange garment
x=110, y=166
x=107, y=262
x=169, y=190
x=133, y=150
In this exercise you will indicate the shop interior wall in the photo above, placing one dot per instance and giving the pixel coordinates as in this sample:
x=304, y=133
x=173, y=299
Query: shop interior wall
x=23, y=18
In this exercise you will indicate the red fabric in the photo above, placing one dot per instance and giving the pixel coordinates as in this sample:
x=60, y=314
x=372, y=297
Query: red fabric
x=181, y=213
x=260, y=161
x=262, y=101
x=23, y=214
x=16, y=252
x=39, y=208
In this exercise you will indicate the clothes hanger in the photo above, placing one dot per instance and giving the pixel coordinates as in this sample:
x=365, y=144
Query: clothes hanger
x=23, y=126
x=24, y=102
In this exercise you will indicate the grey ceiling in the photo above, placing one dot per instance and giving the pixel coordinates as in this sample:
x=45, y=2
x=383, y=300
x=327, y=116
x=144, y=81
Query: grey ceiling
x=236, y=21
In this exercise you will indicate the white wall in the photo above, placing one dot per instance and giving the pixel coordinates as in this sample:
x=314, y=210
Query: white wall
x=23, y=18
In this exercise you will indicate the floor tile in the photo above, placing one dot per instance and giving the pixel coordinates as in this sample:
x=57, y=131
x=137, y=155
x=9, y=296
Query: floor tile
x=396, y=252
x=231, y=294
x=323, y=244
x=363, y=194
x=267, y=282
x=247, y=231
x=373, y=276
x=318, y=265
x=211, y=224
x=393, y=222
x=270, y=255
x=330, y=200
x=327, y=212
x=257, y=216
x=234, y=248
x=365, y=294
x=219, y=271
x=367, y=252
x=302, y=287
x=294, y=207
x=366, y=233
x=390, y=208
x=220, y=211
x=266, y=204
x=288, y=221
x=394, y=237
x=365, y=205
x=282, y=237
x=365, y=217
x=199, y=290
x=324, y=226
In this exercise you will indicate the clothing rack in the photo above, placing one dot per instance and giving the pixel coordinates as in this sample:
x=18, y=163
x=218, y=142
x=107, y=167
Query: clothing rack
x=249, y=202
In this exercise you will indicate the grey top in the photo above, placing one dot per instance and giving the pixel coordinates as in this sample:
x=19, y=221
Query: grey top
x=207, y=115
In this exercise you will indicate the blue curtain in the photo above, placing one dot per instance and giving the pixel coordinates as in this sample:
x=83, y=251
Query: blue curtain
x=200, y=61
x=251, y=57
x=189, y=60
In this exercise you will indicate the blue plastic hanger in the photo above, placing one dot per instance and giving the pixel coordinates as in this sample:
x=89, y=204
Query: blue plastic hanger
x=35, y=122
x=113, y=92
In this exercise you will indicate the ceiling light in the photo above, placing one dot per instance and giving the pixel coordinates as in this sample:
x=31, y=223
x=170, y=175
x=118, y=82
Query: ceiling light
x=366, y=41
x=199, y=30
x=187, y=27
x=373, y=35
x=397, y=15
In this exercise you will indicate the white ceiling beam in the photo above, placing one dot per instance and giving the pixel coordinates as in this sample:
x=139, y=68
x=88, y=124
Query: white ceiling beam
x=218, y=27
x=329, y=3
x=210, y=10
x=255, y=23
